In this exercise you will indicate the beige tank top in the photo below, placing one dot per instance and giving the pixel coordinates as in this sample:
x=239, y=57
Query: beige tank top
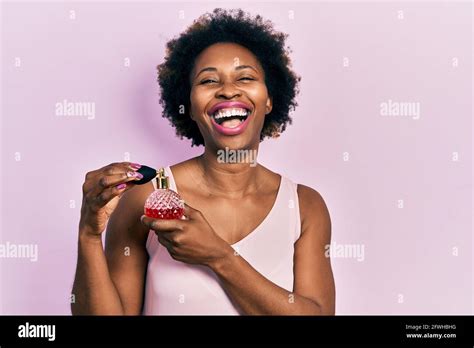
x=177, y=288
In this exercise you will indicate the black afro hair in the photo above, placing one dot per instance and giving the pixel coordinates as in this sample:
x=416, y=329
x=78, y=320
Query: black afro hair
x=236, y=26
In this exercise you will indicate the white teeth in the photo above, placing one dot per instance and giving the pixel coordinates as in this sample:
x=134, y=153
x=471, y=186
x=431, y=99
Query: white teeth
x=230, y=112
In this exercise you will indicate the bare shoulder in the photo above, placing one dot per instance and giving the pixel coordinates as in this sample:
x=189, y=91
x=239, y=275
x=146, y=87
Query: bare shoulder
x=185, y=174
x=313, y=211
x=184, y=167
x=310, y=198
x=134, y=199
x=313, y=273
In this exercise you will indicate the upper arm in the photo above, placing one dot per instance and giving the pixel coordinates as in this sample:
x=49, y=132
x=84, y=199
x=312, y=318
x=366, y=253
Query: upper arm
x=313, y=274
x=125, y=248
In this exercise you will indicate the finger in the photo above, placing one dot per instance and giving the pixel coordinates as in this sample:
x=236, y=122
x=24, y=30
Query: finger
x=161, y=225
x=109, y=170
x=163, y=241
x=169, y=236
x=110, y=193
x=121, y=167
x=107, y=181
x=95, y=172
x=111, y=166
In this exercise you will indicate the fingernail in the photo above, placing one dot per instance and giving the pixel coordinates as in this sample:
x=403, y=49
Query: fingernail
x=135, y=165
x=121, y=186
x=134, y=175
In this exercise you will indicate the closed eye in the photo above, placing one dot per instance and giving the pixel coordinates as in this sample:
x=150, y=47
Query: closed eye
x=206, y=81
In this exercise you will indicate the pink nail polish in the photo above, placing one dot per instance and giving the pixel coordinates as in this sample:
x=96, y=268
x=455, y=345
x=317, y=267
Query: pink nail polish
x=135, y=175
x=121, y=186
x=135, y=165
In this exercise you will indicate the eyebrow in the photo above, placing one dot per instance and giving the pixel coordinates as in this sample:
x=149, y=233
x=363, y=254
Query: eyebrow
x=240, y=67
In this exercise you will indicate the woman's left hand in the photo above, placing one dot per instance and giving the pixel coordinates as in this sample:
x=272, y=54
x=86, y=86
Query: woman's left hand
x=192, y=240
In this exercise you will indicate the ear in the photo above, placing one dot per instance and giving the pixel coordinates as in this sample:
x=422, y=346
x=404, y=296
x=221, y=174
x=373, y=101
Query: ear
x=269, y=105
x=191, y=115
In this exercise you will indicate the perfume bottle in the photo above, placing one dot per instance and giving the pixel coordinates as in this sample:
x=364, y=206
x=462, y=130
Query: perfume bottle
x=164, y=203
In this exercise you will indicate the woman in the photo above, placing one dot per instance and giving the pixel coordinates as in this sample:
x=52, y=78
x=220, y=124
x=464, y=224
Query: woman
x=253, y=242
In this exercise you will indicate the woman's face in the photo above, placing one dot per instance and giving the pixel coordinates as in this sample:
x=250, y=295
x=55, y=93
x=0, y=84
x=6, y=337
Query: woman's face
x=229, y=98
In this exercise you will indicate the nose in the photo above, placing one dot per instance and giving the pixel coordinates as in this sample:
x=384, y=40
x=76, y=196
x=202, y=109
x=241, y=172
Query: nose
x=228, y=91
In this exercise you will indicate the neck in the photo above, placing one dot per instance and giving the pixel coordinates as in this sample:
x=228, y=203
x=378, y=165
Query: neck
x=229, y=172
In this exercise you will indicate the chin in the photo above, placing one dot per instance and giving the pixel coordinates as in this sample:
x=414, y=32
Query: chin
x=234, y=142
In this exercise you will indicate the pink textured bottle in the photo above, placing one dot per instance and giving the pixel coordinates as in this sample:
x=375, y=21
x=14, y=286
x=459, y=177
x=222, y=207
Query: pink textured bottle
x=164, y=203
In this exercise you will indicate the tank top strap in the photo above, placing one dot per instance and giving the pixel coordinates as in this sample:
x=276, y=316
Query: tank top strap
x=170, y=176
x=154, y=183
x=294, y=206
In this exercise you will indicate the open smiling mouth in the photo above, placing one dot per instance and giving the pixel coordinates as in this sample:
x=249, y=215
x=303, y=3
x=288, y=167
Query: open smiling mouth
x=231, y=117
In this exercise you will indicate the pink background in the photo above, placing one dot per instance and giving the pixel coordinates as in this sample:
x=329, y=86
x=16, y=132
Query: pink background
x=409, y=265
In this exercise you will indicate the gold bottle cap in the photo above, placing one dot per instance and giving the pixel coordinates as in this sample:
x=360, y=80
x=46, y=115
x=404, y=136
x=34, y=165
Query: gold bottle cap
x=162, y=181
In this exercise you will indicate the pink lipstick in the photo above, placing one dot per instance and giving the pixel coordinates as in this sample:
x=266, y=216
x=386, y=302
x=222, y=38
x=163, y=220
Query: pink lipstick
x=230, y=131
x=230, y=117
x=227, y=105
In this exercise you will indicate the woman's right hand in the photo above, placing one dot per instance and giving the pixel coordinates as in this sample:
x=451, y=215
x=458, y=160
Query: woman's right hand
x=101, y=191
